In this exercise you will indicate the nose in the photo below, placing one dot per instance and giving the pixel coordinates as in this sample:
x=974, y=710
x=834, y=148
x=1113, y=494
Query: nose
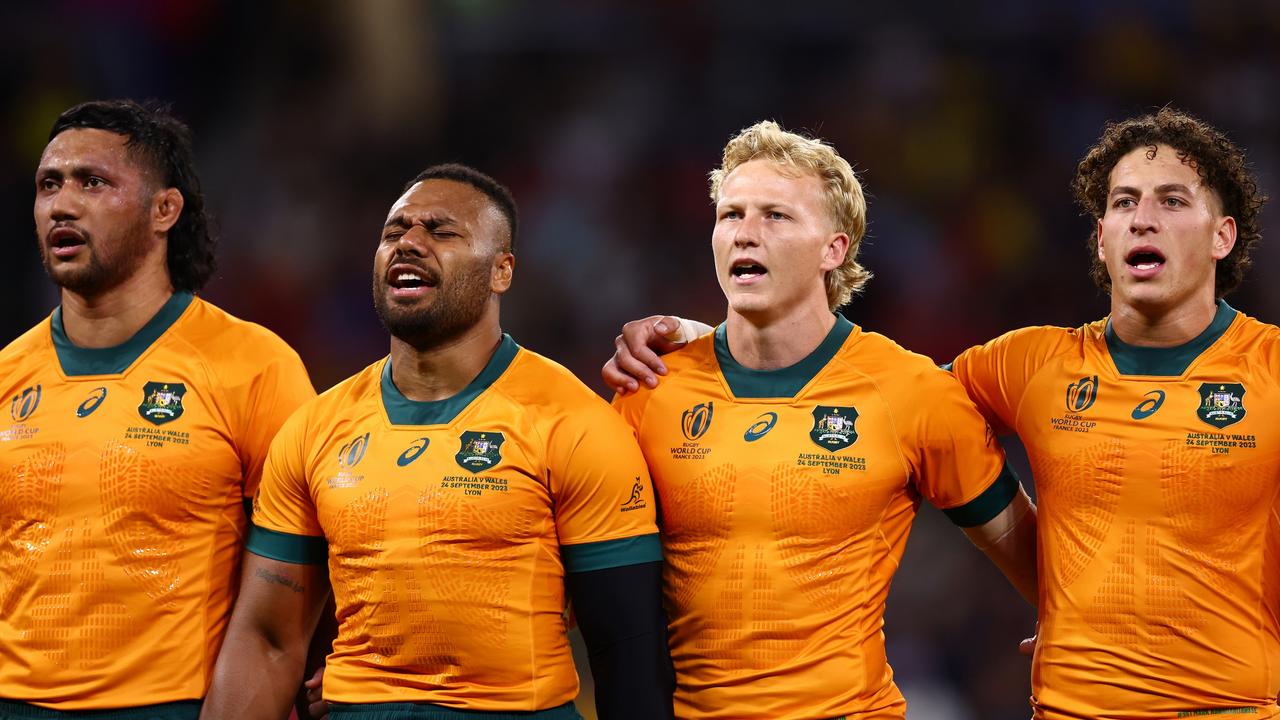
x=747, y=232
x=64, y=204
x=1145, y=219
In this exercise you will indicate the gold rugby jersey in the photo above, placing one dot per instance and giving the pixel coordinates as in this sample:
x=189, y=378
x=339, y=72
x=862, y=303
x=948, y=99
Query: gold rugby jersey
x=124, y=472
x=448, y=527
x=785, y=502
x=1157, y=473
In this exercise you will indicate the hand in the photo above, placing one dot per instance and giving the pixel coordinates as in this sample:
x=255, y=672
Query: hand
x=317, y=708
x=1028, y=647
x=636, y=358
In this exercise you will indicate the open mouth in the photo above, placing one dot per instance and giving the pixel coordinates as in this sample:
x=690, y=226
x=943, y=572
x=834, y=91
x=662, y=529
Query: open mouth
x=408, y=277
x=65, y=241
x=747, y=269
x=1144, y=258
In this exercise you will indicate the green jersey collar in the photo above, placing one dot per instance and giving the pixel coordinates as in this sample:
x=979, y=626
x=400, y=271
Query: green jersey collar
x=76, y=361
x=785, y=382
x=1170, y=361
x=403, y=411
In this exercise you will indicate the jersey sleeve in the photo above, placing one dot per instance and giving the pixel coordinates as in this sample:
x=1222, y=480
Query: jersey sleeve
x=954, y=458
x=605, y=509
x=285, y=524
x=996, y=374
x=266, y=399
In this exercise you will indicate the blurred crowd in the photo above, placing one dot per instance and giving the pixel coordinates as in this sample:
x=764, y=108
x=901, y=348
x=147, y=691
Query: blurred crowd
x=964, y=121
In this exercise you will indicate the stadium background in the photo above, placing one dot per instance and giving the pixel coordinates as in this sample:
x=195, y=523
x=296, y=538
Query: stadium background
x=965, y=121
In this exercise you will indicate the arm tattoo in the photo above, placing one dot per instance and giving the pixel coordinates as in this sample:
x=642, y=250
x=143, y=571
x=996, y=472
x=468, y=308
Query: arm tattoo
x=279, y=579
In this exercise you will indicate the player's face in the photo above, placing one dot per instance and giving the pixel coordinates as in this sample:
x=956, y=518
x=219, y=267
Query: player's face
x=439, y=263
x=92, y=211
x=1163, y=232
x=773, y=241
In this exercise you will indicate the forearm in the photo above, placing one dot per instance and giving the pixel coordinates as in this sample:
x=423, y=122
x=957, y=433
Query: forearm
x=254, y=678
x=1009, y=540
x=620, y=613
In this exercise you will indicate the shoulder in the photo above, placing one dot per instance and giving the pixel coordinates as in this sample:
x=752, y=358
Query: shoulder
x=34, y=340
x=339, y=400
x=874, y=355
x=1035, y=345
x=216, y=332
x=537, y=381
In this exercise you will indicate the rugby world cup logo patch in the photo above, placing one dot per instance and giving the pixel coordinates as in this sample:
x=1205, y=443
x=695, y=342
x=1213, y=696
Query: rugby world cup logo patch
x=833, y=427
x=24, y=404
x=162, y=402
x=1082, y=393
x=479, y=450
x=1221, y=404
x=695, y=421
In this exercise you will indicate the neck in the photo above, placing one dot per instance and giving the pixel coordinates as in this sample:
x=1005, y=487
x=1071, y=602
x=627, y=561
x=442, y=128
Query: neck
x=441, y=372
x=772, y=345
x=111, y=317
x=1162, y=327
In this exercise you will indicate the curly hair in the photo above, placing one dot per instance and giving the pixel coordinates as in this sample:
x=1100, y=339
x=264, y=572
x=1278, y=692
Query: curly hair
x=163, y=143
x=842, y=191
x=1202, y=147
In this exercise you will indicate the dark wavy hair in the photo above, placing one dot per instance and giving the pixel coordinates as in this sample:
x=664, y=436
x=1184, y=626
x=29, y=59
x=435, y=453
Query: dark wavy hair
x=497, y=193
x=157, y=138
x=1204, y=148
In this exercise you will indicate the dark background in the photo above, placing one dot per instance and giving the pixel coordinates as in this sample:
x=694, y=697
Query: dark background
x=964, y=120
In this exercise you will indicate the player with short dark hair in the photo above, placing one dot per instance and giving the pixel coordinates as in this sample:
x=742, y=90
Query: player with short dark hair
x=455, y=489
x=137, y=428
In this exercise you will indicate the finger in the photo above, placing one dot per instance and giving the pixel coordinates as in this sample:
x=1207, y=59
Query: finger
x=674, y=330
x=318, y=710
x=316, y=678
x=636, y=369
x=638, y=336
x=617, y=380
x=1027, y=647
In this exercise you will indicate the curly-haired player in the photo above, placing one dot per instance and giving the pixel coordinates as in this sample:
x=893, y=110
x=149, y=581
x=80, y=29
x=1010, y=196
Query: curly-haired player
x=1152, y=434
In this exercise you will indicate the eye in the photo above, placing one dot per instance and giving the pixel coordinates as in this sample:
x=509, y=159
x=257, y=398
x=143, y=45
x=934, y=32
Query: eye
x=47, y=184
x=392, y=236
x=1123, y=202
x=777, y=215
x=94, y=181
x=730, y=215
x=1173, y=202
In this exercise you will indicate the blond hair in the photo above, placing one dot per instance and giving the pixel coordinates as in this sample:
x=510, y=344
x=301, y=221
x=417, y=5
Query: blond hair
x=843, y=193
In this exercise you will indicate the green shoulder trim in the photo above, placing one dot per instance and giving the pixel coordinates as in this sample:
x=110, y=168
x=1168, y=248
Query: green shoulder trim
x=1171, y=361
x=611, y=553
x=180, y=710
x=989, y=504
x=287, y=547
x=403, y=411
x=785, y=382
x=115, y=360
x=427, y=711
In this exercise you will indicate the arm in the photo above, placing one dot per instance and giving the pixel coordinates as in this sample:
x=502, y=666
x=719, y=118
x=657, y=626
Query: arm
x=620, y=613
x=1009, y=540
x=260, y=666
x=637, y=350
x=309, y=703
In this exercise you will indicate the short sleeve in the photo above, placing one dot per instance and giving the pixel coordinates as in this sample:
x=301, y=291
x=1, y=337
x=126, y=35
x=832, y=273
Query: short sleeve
x=270, y=396
x=285, y=524
x=996, y=374
x=605, y=509
x=955, y=460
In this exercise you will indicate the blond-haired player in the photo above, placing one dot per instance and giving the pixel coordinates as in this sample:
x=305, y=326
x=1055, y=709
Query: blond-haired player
x=790, y=450
x=1152, y=437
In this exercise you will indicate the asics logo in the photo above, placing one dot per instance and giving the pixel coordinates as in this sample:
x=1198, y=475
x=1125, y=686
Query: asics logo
x=760, y=427
x=413, y=451
x=92, y=402
x=1148, y=407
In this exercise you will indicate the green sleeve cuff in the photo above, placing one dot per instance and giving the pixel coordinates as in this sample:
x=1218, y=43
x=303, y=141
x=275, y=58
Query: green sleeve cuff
x=989, y=504
x=286, y=547
x=611, y=553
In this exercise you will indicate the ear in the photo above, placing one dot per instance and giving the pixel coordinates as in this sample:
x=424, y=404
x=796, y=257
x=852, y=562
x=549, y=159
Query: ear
x=1224, y=238
x=504, y=265
x=834, y=252
x=1102, y=253
x=166, y=208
